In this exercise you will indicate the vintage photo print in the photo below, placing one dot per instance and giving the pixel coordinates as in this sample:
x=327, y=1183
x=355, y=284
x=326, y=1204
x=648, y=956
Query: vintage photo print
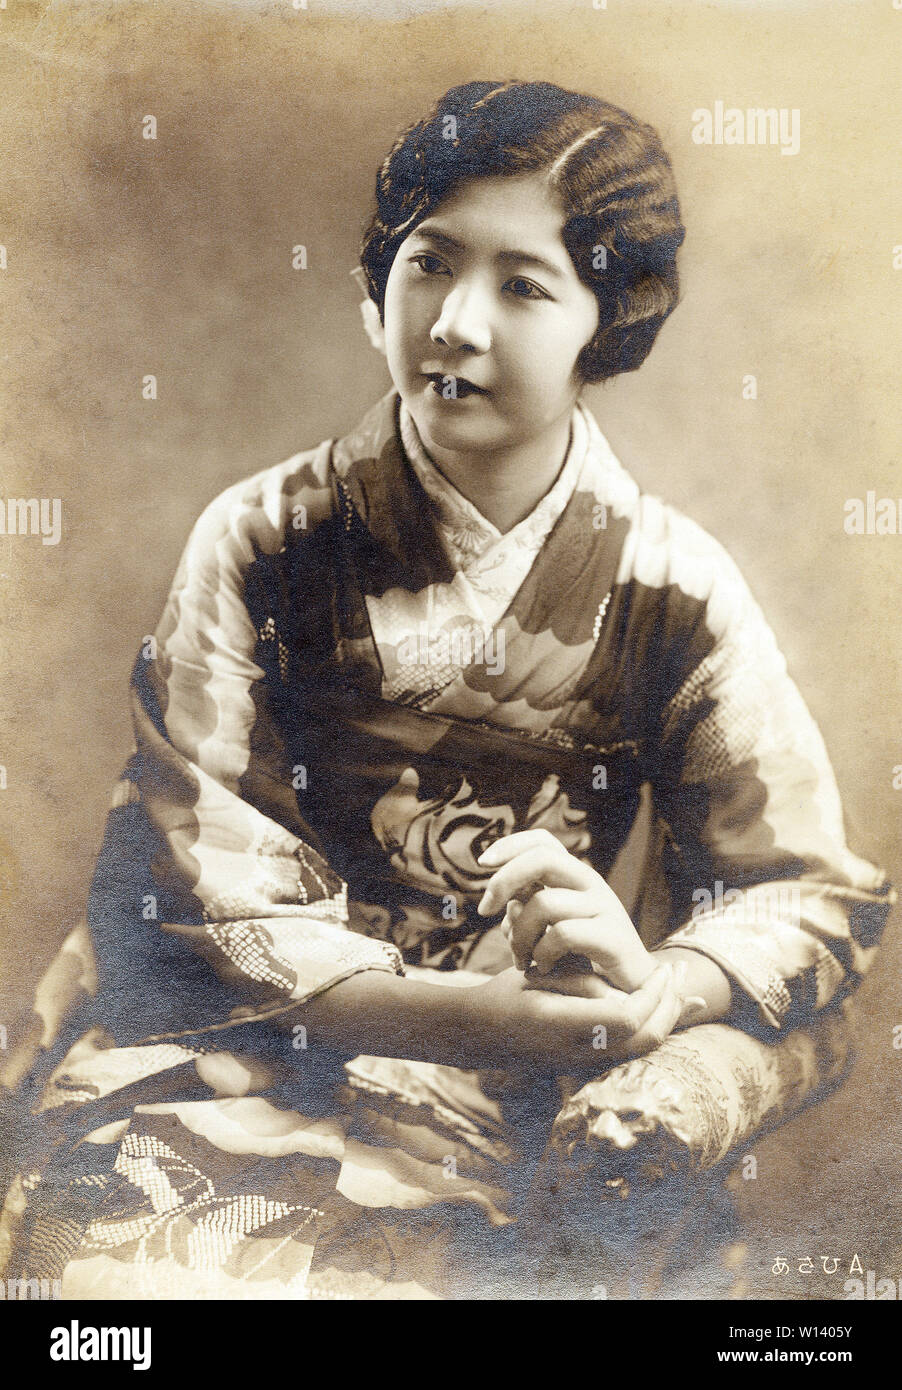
x=450, y=763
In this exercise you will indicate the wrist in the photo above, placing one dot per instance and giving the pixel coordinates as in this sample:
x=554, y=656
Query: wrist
x=704, y=987
x=641, y=965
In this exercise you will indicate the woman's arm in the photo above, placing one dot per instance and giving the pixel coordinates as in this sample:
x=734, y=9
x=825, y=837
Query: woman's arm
x=702, y=979
x=498, y=1023
x=226, y=873
x=762, y=884
x=768, y=906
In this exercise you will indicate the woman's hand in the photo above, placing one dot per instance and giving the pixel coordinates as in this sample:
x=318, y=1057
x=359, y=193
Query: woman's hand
x=528, y=1021
x=558, y=906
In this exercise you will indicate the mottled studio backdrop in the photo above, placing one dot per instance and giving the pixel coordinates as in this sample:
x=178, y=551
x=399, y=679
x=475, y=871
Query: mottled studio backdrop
x=127, y=257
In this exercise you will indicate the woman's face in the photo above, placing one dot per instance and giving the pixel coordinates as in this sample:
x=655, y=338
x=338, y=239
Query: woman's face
x=484, y=295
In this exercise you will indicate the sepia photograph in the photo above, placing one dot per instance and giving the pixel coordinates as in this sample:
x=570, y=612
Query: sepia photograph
x=450, y=758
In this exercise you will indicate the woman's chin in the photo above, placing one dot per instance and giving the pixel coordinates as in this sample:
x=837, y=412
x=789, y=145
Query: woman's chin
x=465, y=424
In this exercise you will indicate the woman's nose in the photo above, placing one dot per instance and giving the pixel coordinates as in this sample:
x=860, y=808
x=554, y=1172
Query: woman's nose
x=463, y=322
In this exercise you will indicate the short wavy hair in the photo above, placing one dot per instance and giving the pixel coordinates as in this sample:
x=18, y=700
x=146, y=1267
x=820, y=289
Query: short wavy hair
x=609, y=170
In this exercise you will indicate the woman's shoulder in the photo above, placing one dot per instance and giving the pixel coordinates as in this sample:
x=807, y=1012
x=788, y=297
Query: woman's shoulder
x=285, y=502
x=663, y=548
x=687, y=606
x=267, y=510
x=667, y=550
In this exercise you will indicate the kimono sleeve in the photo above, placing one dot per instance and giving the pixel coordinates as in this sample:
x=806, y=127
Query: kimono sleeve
x=243, y=879
x=749, y=821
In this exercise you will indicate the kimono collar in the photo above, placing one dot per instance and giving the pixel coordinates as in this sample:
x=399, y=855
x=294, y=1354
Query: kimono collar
x=466, y=534
x=383, y=491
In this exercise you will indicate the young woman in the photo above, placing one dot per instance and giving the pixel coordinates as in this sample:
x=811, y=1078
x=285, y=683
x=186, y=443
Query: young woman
x=390, y=737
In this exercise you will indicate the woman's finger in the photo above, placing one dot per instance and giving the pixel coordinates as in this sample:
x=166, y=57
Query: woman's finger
x=642, y=1002
x=659, y=1026
x=577, y=984
x=507, y=846
x=531, y=923
x=585, y=935
x=620, y=1014
x=595, y=1017
x=552, y=867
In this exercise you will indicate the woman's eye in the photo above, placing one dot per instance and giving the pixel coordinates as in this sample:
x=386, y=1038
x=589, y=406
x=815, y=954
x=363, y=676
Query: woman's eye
x=525, y=289
x=430, y=265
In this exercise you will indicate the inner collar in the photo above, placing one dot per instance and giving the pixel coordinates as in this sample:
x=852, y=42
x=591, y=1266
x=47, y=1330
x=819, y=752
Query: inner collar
x=462, y=522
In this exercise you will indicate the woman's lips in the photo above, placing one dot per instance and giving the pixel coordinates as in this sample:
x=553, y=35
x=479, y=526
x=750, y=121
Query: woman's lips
x=451, y=387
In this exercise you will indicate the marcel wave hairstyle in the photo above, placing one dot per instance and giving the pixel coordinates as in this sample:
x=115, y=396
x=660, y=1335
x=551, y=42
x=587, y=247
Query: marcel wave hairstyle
x=610, y=172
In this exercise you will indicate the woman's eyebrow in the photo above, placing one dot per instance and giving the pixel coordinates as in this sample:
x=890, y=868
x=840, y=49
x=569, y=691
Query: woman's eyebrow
x=509, y=256
x=530, y=258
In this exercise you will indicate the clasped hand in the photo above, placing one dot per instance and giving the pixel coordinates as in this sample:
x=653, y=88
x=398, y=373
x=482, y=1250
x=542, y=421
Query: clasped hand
x=570, y=934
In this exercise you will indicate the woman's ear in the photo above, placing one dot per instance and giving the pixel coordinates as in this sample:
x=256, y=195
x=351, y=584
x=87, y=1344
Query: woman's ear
x=369, y=313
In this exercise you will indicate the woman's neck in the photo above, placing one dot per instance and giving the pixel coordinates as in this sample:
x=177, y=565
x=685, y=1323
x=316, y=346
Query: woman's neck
x=505, y=485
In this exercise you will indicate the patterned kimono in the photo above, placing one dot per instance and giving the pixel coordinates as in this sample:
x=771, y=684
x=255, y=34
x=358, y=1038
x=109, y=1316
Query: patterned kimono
x=357, y=684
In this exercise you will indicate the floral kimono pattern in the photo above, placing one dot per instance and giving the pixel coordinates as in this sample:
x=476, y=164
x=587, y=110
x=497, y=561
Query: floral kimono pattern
x=356, y=685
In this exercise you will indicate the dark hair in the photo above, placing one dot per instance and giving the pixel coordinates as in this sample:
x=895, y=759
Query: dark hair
x=610, y=171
